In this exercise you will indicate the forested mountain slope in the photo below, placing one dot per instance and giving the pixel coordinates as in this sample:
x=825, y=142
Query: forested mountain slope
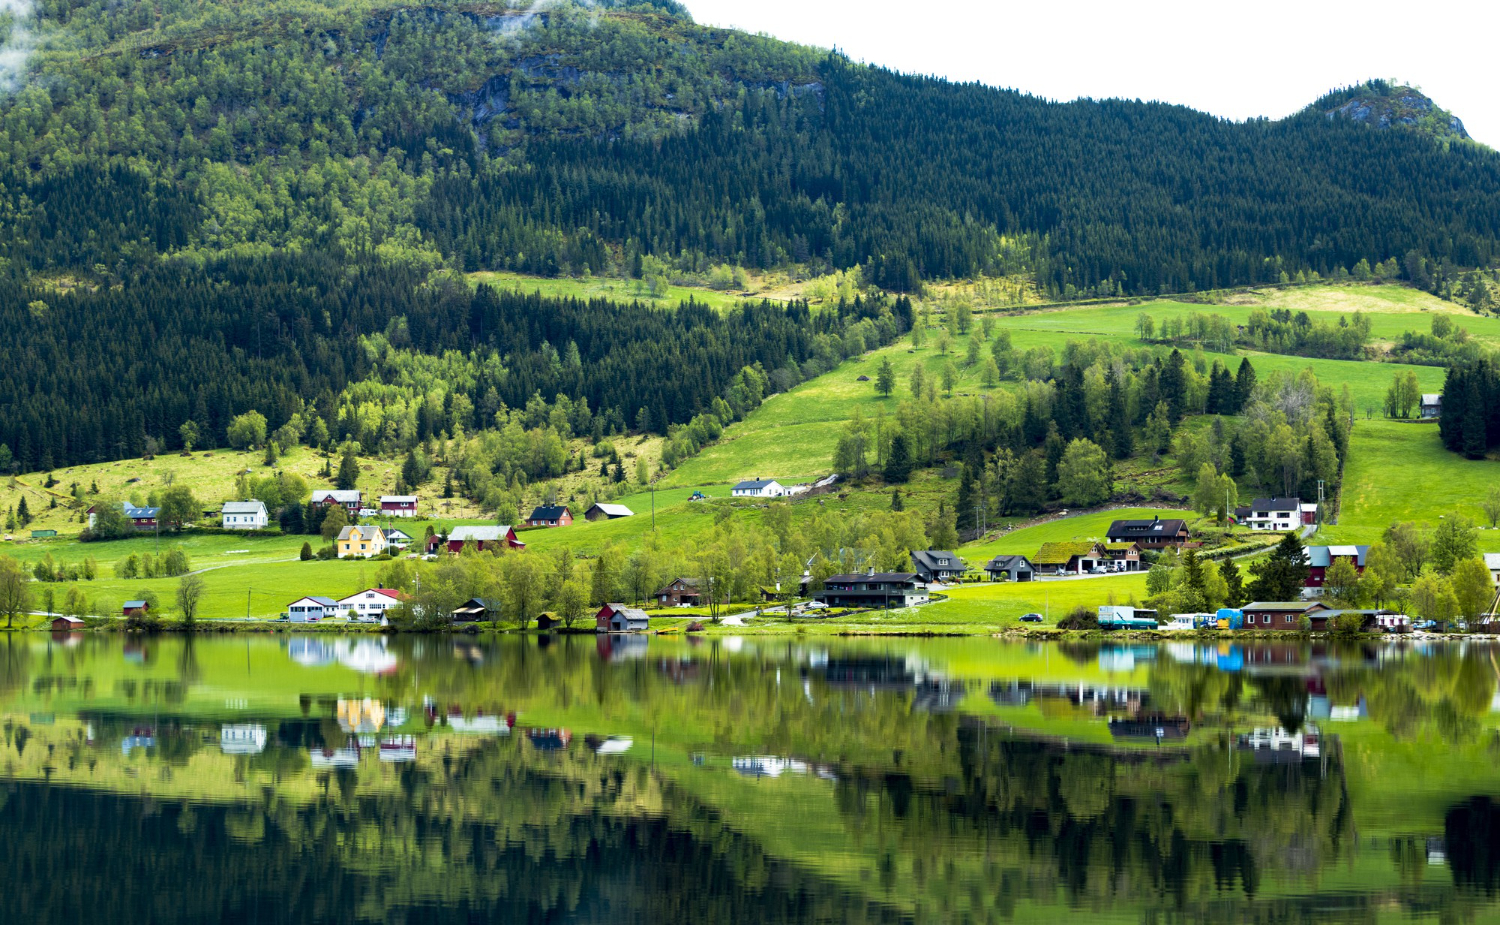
x=566, y=137
x=210, y=207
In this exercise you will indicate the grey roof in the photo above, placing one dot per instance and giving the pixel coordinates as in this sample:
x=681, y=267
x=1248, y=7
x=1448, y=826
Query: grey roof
x=937, y=560
x=1284, y=606
x=630, y=613
x=137, y=512
x=1432, y=398
x=1006, y=563
x=395, y=499
x=1130, y=528
x=341, y=496
x=1323, y=556
x=750, y=484
x=395, y=533
x=1492, y=560
x=244, y=507
x=878, y=576
x=1276, y=504
x=614, y=510
x=479, y=534
x=132, y=605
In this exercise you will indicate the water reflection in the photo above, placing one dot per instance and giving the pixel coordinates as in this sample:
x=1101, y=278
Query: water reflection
x=306, y=779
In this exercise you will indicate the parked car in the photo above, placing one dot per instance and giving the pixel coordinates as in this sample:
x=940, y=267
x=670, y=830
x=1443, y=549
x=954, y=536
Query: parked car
x=1031, y=618
x=817, y=605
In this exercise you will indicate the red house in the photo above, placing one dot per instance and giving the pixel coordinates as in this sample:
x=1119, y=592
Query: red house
x=551, y=516
x=135, y=608
x=351, y=500
x=1320, y=558
x=398, y=505
x=482, y=538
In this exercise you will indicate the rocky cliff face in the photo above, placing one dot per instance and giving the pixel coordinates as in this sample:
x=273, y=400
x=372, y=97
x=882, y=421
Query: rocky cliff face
x=1385, y=106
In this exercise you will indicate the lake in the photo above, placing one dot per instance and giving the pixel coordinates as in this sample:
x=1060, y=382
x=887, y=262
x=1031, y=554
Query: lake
x=307, y=779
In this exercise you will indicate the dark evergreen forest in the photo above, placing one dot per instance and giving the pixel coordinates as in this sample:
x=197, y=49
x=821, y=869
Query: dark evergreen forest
x=204, y=208
x=93, y=374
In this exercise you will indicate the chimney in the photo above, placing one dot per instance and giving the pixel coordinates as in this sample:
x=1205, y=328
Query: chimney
x=870, y=572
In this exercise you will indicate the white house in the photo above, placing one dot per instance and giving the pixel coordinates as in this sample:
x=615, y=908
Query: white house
x=244, y=515
x=759, y=488
x=311, y=609
x=1277, y=514
x=1492, y=562
x=372, y=603
x=397, y=539
x=1432, y=405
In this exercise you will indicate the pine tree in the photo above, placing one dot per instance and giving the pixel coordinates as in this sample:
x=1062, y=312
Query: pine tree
x=23, y=513
x=1233, y=582
x=1244, y=385
x=348, y=477
x=898, y=464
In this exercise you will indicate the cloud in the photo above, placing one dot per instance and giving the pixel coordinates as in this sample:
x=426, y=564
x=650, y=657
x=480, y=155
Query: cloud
x=16, y=50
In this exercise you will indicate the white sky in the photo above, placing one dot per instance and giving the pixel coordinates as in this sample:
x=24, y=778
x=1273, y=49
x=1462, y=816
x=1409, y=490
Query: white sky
x=1233, y=59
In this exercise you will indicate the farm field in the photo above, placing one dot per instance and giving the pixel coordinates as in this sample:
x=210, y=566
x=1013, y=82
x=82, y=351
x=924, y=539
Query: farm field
x=1399, y=472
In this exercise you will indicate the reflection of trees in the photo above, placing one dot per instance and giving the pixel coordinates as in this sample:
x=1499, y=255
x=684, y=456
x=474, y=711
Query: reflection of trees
x=1472, y=834
x=546, y=849
x=1446, y=691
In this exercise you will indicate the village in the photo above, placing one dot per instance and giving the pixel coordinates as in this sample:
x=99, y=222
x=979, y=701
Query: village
x=1128, y=547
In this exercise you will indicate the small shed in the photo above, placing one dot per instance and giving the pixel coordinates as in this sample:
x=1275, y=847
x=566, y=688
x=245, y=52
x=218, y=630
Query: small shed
x=617, y=618
x=135, y=608
x=476, y=608
x=65, y=624
x=43, y=534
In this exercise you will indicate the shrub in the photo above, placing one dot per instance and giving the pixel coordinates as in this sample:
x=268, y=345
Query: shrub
x=1081, y=618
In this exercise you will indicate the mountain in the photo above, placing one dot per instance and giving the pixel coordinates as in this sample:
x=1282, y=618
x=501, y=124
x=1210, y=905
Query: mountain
x=210, y=208
x=1386, y=105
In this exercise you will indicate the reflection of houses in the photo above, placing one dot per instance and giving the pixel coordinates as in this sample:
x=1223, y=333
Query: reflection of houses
x=874, y=673
x=365, y=715
x=1157, y=728
x=769, y=766
x=242, y=739
x=398, y=749
x=549, y=740
x=345, y=758
x=493, y=725
x=310, y=652
x=613, y=745
x=1278, y=746
x=1010, y=693
x=938, y=696
x=367, y=656
x=617, y=647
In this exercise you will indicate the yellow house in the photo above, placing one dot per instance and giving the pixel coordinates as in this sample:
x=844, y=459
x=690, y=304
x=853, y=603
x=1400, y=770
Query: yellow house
x=361, y=542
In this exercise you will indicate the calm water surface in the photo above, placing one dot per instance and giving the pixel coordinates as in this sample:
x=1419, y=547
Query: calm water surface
x=320, y=779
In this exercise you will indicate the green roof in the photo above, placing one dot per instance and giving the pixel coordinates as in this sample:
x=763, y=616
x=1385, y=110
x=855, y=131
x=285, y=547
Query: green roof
x=1061, y=553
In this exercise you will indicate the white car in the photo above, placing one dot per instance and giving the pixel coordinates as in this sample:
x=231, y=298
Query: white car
x=817, y=605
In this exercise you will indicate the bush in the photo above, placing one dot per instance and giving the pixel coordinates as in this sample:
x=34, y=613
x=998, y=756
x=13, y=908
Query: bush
x=328, y=552
x=307, y=552
x=1081, y=618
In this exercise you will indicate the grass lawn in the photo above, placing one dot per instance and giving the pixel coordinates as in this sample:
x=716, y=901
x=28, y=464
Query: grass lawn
x=617, y=290
x=993, y=605
x=1400, y=472
x=1027, y=540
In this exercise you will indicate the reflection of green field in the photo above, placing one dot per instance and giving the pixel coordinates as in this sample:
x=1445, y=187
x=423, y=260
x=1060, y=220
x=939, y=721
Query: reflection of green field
x=1401, y=472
